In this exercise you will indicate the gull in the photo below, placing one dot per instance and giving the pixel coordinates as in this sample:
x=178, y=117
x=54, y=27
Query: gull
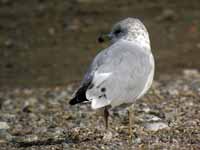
x=120, y=74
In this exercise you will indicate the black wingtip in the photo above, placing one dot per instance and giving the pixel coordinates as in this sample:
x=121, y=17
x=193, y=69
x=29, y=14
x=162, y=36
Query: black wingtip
x=80, y=96
x=73, y=101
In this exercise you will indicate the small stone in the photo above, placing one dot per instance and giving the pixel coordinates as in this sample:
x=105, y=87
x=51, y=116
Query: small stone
x=137, y=141
x=66, y=146
x=27, y=139
x=30, y=102
x=41, y=130
x=7, y=116
x=196, y=85
x=198, y=45
x=173, y=92
x=4, y=126
x=148, y=118
x=146, y=109
x=28, y=91
x=52, y=31
x=155, y=126
x=58, y=132
x=3, y=141
x=5, y=136
x=107, y=136
x=191, y=73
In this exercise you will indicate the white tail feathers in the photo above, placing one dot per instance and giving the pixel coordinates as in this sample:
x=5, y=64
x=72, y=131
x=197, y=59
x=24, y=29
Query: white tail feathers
x=94, y=94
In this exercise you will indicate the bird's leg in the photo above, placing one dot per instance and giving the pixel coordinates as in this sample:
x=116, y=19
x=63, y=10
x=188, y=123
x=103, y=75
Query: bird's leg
x=106, y=115
x=130, y=117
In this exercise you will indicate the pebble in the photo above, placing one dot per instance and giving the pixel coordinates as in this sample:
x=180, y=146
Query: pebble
x=28, y=91
x=107, y=136
x=5, y=136
x=58, y=132
x=137, y=141
x=146, y=109
x=66, y=146
x=191, y=73
x=30, y=101
x=41, y=130
x=148, y=118
x=26, y=139
x=155, y=126
x=196, y=85
x=52, y=31
x=173, y=92
x=198, y=45
x=4, y=126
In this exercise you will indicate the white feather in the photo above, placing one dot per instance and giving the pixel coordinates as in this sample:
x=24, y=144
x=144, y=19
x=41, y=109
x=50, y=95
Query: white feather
x=100, y=77
x=93, y=94
x=150, y=78
x=96, y=103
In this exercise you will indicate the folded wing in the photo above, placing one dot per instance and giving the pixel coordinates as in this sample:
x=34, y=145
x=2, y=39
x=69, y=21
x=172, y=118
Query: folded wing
x=117, y=75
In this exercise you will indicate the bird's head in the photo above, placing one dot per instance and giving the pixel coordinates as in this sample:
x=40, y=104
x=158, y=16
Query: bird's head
x=130, y=29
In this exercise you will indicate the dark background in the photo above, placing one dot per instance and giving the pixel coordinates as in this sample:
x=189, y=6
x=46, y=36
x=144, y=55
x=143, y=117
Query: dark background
x=51, y=42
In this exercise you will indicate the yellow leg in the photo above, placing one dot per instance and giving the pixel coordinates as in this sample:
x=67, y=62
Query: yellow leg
x=130, y=117
x=106, y=115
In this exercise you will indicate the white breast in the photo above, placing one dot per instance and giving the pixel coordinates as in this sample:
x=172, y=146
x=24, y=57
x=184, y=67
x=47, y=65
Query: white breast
x=150, y=78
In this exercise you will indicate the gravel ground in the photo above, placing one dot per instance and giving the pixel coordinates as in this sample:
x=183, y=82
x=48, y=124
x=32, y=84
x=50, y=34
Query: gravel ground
x=166, y=118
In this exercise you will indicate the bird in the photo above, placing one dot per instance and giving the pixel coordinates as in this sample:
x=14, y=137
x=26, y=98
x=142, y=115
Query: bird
x=121, y=73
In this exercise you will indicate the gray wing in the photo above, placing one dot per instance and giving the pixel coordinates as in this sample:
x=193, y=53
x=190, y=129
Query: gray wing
x=80, y=95
x=105, y=58
x=100, y=60
x=117, y=75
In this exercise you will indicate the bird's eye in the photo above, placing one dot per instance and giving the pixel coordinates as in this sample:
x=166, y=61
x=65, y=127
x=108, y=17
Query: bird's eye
x=117, y=31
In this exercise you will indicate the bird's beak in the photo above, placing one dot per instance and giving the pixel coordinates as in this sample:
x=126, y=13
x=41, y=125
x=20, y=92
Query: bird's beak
x=104, y=37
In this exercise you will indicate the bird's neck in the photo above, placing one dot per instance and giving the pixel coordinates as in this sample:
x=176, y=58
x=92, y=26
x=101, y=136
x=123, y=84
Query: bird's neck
x=139, y=38
x=139, y=41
